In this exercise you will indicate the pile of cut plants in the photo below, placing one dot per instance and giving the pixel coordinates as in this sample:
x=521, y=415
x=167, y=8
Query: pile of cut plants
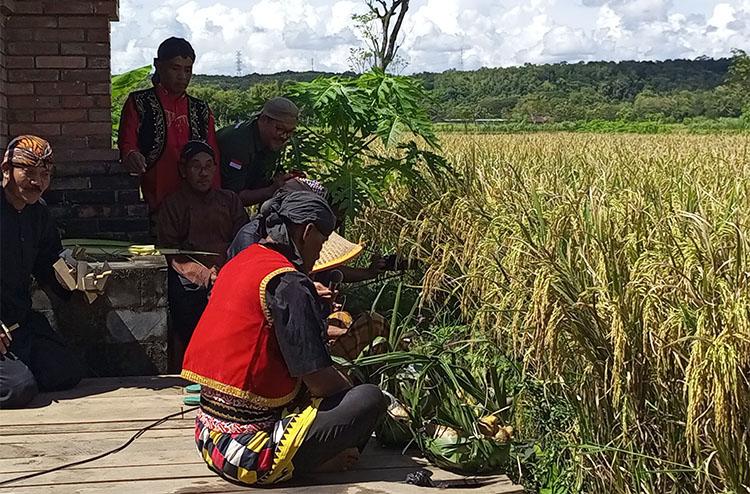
x=443, y=399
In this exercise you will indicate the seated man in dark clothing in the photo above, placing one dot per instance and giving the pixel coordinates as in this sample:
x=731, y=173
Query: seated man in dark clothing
x=272, y=402
x=199, y=218
x=32, y=357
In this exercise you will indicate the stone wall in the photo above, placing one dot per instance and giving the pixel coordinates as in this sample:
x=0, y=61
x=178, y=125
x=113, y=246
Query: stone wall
x=124, y=332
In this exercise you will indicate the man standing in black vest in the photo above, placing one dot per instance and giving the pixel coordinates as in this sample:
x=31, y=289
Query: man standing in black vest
x=156, y=124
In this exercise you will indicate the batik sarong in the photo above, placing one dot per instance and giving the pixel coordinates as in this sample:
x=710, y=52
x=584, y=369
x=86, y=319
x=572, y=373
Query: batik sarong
x=250, y=455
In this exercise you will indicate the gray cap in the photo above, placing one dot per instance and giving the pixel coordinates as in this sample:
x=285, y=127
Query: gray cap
x=281, y=109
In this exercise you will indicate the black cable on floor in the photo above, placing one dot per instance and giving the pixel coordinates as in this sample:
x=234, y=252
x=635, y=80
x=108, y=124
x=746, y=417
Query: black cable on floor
x=102, y=455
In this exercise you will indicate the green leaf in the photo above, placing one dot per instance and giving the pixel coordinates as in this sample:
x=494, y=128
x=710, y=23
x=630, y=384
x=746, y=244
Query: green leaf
x=122, y=85
x=342, y=120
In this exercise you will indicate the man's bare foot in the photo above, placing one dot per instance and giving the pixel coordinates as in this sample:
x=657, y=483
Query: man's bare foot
x=341, y=462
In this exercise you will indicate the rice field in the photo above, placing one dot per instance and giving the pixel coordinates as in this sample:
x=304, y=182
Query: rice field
x=615, y=270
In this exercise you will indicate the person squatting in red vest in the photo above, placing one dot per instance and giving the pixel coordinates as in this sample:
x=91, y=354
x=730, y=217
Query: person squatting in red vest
x=272, y=403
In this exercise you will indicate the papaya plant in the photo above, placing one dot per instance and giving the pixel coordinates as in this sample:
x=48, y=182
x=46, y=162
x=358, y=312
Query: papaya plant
x=361, y=135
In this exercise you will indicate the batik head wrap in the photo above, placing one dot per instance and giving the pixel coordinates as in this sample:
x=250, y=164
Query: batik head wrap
x=28, y=150
x=315, y=186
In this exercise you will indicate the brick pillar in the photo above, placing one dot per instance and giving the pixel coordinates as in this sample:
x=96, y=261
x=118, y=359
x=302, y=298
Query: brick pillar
x=58, y=79
x=58, y=87
x=6, y=8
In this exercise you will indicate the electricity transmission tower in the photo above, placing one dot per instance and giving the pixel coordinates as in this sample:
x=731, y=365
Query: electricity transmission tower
x=238, y=63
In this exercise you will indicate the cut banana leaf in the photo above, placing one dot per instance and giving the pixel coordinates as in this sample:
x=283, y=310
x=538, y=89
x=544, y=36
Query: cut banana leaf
x=467, y=455
x=120, y=248
x=153, y=250
x=392, y=433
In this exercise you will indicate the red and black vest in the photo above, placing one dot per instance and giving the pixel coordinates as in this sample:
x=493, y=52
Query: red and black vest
x=234, y=348
x=152, y=130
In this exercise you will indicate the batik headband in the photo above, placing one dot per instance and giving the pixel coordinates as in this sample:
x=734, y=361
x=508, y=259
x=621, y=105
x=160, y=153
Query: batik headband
x=28, y=150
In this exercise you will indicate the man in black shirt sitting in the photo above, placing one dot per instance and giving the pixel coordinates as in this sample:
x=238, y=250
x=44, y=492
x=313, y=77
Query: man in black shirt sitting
x=33, y=357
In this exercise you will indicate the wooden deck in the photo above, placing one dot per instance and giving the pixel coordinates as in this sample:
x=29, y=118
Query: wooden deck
x=102, y=414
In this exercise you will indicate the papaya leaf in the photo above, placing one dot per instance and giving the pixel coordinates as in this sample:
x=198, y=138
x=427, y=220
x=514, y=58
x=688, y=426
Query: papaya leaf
x=342, y=120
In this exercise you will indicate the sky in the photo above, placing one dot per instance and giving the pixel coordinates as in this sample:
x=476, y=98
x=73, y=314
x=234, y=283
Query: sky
x=278, y=35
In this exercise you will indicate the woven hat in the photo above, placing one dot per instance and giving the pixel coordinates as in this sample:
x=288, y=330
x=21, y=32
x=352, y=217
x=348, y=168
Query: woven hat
x=336, y=251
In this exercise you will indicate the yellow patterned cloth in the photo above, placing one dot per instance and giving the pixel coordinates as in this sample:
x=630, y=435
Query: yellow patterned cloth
x=261, y=457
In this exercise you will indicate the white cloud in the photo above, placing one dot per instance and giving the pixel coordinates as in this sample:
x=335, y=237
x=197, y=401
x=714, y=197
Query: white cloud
x=635, y=12
x=277, y=35
x=561, y=43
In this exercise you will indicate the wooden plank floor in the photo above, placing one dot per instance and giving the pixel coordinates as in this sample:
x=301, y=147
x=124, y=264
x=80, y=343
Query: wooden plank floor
x=101, y=414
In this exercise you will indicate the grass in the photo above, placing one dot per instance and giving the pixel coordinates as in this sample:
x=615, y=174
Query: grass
x=613, y=270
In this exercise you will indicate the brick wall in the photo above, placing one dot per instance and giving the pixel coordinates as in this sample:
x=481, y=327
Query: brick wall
x=57, y=56
x=98, y=200
x=6, y=8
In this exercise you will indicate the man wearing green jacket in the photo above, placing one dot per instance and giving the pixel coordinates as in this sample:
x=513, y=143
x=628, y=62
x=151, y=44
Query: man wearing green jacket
x=250, y=151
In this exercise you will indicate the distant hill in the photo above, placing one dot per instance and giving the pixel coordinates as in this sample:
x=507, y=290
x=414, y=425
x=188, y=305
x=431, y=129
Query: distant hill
x=669, y=90
x=246, y=81
x=619, y=79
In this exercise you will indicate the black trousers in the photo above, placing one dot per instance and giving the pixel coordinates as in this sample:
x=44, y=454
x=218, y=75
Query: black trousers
x=345, y=420
x=39, y=361
x=185, y=306
x=185, y=309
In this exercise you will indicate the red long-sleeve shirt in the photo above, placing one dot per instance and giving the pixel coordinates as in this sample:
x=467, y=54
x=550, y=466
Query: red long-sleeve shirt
x=163, y=178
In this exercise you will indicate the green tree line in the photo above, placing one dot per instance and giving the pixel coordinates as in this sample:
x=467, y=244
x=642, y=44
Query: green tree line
x=671, y=91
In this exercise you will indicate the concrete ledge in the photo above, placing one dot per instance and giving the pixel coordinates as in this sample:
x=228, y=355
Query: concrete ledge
x=124, y=332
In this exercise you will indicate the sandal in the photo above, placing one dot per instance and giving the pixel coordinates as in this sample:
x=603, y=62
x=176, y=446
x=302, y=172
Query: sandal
x=193, y=388
x=192, y=400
